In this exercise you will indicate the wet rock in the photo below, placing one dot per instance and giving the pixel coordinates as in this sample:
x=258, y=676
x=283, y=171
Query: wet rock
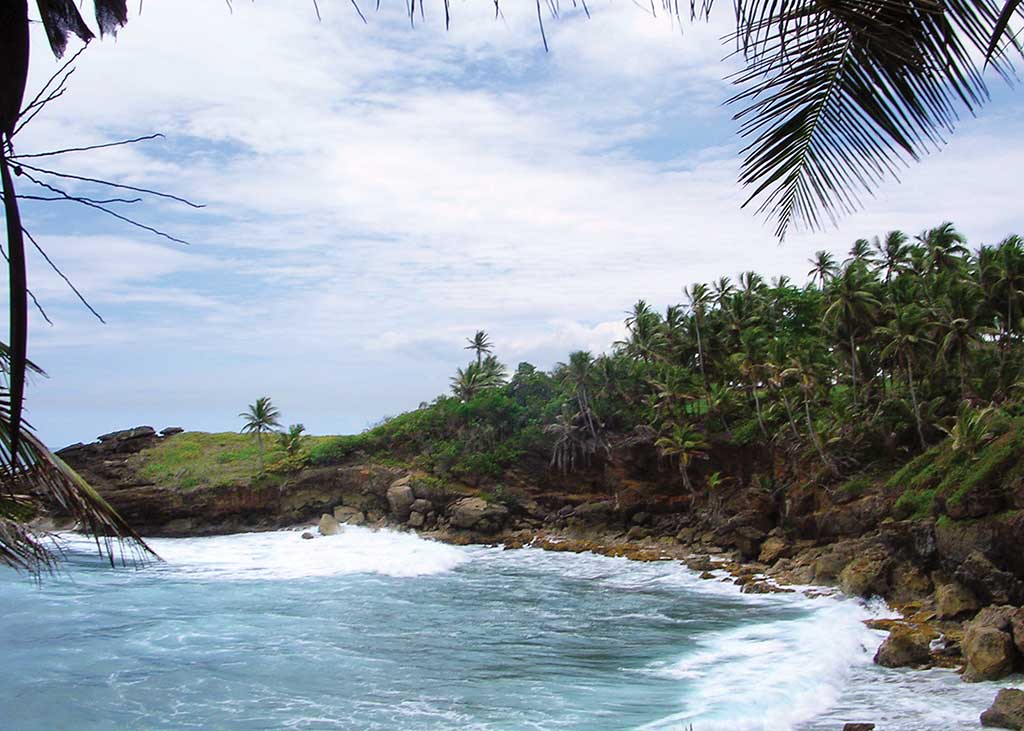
x=350, y=515
x=1006, y=711
x=955, y=600
x=473, y=513
x=989, y=653
x=400, y=498
x=904, y=647
x=865, y=576
x=306, y=535
x=773, y=549
x=328, y=525
x=859, y=727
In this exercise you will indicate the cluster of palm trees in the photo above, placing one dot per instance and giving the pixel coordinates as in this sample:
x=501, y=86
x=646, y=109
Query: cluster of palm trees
x=875, y=355
x=482, y=373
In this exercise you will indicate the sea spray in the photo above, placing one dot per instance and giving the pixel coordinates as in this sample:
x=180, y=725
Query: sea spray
x=388, y=631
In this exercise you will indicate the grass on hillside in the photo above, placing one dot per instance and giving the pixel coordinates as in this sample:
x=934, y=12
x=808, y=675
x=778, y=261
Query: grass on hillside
x=198, y=459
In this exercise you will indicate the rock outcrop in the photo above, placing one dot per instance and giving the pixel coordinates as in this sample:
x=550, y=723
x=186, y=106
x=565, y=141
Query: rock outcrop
x=328, y=525
x=1007, y=711
x=988, y=644
x=905, y=647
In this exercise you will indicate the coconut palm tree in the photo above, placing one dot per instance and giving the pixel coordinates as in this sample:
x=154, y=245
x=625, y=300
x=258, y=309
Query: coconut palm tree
x=852, y=308
x=261, y=417
x=823, y=268
x=478, y=376
x=893, y=253
x=291, y=440
x=904, y=340
x=699, y=298
x=685, y=444
x=480, y=343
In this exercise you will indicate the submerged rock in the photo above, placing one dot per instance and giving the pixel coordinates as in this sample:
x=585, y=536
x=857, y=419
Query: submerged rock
x=306, y=535
x=328, y=525
x=1006, y=711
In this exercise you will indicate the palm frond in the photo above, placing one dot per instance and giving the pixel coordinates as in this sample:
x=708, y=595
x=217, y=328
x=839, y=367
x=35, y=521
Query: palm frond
x=838, y=96
x=29, y=468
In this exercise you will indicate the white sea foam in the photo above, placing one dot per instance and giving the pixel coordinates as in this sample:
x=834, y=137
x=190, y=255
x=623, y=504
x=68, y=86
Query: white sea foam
x=286, y=555
x=771, y=676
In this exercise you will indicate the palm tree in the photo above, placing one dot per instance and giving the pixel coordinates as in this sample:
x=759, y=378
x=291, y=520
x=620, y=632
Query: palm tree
x=480, y=344
x=853, y=307
x=860, y=253
x=261, y=417
x=893, y=253
x=823, y=268
x=699, y=297
x=904, y=340
x=685, y=444
x=291, y=440
x=578, y=374
x=478, y=376
x=945, y=247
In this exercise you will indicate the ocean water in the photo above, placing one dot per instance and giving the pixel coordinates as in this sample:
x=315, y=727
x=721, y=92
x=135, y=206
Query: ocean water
x=385, y=631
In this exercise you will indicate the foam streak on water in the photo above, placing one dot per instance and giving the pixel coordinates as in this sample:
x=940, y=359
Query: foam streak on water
x=384, y=631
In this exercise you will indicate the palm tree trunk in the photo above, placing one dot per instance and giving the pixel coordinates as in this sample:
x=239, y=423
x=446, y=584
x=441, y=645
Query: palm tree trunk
x=853, y=365
x=686, y=476
x=757, y=410
x=817, y=440
x=789, y=414
x=259, y=443
x=700, y=352
x=913, y=401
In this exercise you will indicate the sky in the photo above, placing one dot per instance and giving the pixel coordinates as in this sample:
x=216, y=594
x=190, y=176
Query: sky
x=375, y=193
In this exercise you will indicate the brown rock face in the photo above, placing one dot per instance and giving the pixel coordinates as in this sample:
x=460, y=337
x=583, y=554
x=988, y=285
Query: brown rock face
x=954, y=600
x=1007, y=711
x=401, y=498
x=773, y=549
x=473, y=513
x=904, y=647
x=865, y=576
x=989, y=652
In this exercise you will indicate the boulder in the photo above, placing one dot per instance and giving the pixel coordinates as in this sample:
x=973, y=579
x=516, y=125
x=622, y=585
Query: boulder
x=1017, y=630
x=1006, y=711
x=865, y=576
x=990, y=583
x=773, y=549
x=416, y=519
x=989, y=652
x=328, y=525
x=306, y=535
x=419, y=505
x=954, y=600
x=170, y=431
x=476, y=513
x=859, y=727
x=350, y=515
x=400, y=498
x=904, y=647
x=594, y=513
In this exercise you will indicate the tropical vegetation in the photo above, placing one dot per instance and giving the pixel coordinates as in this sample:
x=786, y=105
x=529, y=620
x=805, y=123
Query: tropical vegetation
x=906, y=343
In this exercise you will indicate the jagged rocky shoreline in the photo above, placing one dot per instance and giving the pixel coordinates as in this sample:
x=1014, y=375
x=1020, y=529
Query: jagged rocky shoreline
x=958, y=584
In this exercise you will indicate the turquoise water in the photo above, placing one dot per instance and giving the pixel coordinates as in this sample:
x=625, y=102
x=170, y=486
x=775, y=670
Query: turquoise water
x=386, y=631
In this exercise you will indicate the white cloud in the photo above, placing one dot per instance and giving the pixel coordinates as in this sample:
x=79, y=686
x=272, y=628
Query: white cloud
x=377, y=193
